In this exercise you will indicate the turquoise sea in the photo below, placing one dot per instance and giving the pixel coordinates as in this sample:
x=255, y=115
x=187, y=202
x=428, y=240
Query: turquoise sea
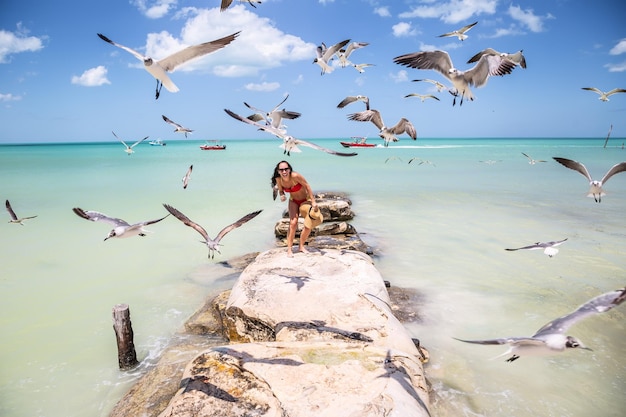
x=440, y=228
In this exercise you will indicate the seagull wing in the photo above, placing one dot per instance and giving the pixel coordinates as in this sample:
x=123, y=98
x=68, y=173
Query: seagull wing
x=488, y=65
x=617, y=168
x=530, y=247
x=191, y=52
x=138, y=142
x=599, y=304
x=329, y=52
x=180, y=216
x=404, y=125
x=170, y=121
x=124, y=143
x=225, y=4
x=127, y=49
x=321, y=148
x=267, y=128
x=147, y=222
x=615, y=90
x=235, y=225
x=346, y=101
x=187, y=177
x=95, y=216
x=467, y=27
x=368, y=116
x=595, y=90
x=504, y=341
x=10, y=210
x=576, y=166
x=436, y=60
x=279, y=104
x=488, y=51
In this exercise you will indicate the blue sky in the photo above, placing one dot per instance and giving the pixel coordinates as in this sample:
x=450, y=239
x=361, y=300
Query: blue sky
x=60, y=83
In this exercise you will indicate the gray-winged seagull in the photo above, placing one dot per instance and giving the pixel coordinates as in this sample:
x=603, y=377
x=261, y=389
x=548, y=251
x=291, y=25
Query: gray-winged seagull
x=324, y=55
x=274, y=116
x=388, y=134
x=595, y=189
x=604, y=96
x=177, y=127
x=14, y=218
x=121, y=228
x=517, y=58
x=549, y=248
x=459, y=33
x=129, y=149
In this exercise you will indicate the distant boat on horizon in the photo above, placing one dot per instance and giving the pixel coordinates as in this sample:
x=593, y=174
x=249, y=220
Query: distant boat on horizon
x=213, y=145
x=157, y=142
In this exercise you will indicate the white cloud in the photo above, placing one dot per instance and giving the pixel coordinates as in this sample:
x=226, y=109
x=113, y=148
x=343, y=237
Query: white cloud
x=382, y=11
x=155, y=9
x=403, y=29
x=400, y=76
x=16, y=42
x=528, y=18
x=453, y=11
x=9, y=97
x=621, y=67
x=92, y=77
x=264, y=86
x=260, y=46
x=326, y=1
x=618, y=49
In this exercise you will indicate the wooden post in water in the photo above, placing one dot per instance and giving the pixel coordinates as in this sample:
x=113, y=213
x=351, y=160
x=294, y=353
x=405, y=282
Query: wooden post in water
x=126, y=355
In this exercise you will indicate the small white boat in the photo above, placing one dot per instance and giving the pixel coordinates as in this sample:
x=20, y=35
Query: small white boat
x=157, y=142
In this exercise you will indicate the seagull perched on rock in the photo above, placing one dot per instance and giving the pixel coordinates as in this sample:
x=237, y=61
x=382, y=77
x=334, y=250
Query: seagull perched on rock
x=488, y=65
x=352, y=99
x=595, y=189
x=460, y=33
x=290, y=144
x=549, y=248
x=159, y=69
x=129, y=149
x=14, y=218
x=121, y=227
x=604, y=96
x=517, y=58
x=212, y=244
x=388, y=134
x=550, y=339
x=324, y=55
x=177, y=127
x=274, y=116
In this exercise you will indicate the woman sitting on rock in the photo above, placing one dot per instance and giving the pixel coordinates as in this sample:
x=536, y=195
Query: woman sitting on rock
x=301, y=203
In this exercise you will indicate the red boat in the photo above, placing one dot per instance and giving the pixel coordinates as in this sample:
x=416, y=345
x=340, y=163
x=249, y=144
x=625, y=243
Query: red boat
x=357, y=142
x=213, y=146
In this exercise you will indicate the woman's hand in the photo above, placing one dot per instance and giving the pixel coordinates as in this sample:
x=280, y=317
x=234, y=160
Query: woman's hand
x=283, y=198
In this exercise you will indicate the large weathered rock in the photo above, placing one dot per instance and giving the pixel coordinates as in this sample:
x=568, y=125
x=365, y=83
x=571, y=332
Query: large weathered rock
x=319, y=339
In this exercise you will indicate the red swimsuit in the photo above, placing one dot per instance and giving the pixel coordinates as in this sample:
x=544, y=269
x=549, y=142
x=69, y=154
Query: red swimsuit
x=295, y=188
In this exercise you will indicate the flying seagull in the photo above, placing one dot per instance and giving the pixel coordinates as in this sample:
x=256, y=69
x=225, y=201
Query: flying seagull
x=187, y=177
x=344, y=53
x=290, y=144
x=361, y=67
x=422, y=97
x=129, y=149
x=212, y=244
x=550, y=339
x=388, y=134
x=437, y=84
x=121, y=227
x=274, y=116
x=159, y=69
x=226, y=3
x=595, y=189
x=421, y=161
x=604, y=96
x=177, y=127
x=517, y=58
x=352, y=99
x=14, y=218
x=608, y=135
x=532, y=161
x=488, y=65
x=324, y=55
x=549, y=248
x=460, y=33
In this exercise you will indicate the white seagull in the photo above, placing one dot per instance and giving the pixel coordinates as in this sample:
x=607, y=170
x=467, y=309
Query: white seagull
x=550, y=339
x=517, y=58
x=460, y=33
x=595, y=189
x=226, y=3
x=121, y=228
x=437, y=84
x=488, y=65
x=290, y=144
x=532, y=161
x=212, y=244
x=129, y=149
x=422, y=97
x=14, y=218
x=187, y=177
x=549, y=248
x=344, y=53
x=352, y=99
x=388, y=134
x=361, y=67
x=177, y=127
x=604, y=96
x=274, y=116
x=159, y=69
x=324, y=55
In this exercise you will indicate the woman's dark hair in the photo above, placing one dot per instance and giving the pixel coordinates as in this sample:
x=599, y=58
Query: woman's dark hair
x=277, y=174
